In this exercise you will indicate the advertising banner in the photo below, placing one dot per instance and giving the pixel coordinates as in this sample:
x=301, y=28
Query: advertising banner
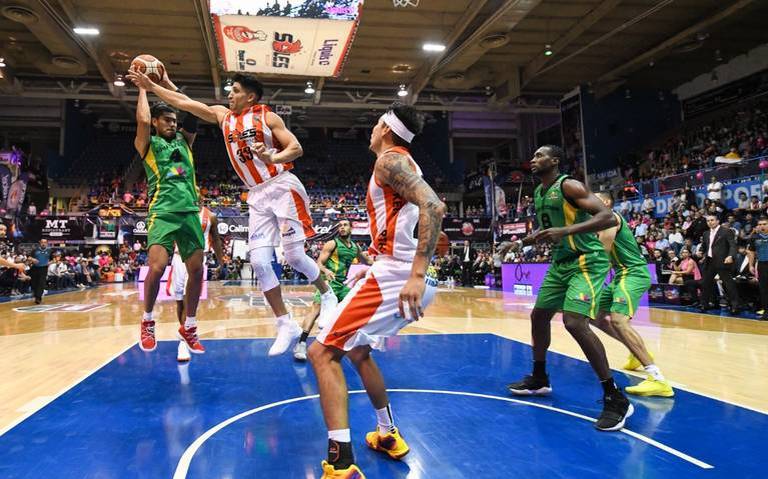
x=473, y=229
x=730, y=197
x=524, y=279
x=57, y=229
x=294, y=39
x=5, y=185
x=16, y=194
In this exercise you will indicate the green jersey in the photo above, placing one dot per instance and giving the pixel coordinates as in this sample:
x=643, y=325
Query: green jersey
x=625, y=253
x=342, y=257
x=170, y=171
x=555, y=211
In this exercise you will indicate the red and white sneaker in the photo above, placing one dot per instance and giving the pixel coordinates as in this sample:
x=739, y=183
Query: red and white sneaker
x=147, y=340
x=189, y=336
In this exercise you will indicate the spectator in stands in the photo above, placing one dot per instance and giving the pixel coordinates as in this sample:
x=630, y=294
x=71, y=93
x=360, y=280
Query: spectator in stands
x=649, y=206
x=32, y=210
x=625, y=207
x=714, y=190
x=685, y=269
x=676, y=240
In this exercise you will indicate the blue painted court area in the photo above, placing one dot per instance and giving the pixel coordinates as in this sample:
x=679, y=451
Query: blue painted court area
x=136, y=417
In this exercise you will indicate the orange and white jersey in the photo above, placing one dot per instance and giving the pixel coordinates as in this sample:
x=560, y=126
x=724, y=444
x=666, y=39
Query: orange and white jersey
x=241, y=133
x=205, y=223
x=392, y=219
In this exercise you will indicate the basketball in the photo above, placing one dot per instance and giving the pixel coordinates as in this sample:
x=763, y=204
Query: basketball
x=150, y=66
x=443, y=244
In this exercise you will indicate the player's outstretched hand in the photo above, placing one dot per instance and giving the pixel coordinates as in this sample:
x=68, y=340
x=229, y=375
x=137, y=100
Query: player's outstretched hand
x=411, y=295
x=550, y=235
x=140, y=80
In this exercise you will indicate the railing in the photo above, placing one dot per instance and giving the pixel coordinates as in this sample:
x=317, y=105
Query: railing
x=698, y=178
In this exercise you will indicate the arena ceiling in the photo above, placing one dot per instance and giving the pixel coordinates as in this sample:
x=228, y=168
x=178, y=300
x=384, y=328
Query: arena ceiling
x=495, y=55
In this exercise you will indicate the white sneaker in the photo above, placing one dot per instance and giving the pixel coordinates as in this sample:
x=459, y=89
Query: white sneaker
x=287, y=332
x=300, y=351
x=328, y=303
x=183, y=355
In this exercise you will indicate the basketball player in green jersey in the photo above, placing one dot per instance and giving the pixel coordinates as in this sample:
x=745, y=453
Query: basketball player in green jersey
x=334, y=262
x=173, y=215
x=619, y=299
x=570, y=216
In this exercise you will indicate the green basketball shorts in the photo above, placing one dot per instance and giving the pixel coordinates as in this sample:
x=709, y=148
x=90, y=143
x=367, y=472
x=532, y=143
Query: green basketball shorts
x=184, y=229
x=575, y=284
x=623, y=293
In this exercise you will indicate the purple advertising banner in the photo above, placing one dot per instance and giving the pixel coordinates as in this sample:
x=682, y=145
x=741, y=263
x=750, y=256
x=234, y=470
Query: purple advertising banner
x=524, y=279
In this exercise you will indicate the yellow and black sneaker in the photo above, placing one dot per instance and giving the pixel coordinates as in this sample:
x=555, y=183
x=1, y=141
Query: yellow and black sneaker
x=352, y=472
x=651, y=387
x=392, y=444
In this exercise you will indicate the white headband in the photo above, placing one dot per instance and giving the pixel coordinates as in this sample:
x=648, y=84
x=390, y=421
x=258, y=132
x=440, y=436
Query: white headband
x=397, y=126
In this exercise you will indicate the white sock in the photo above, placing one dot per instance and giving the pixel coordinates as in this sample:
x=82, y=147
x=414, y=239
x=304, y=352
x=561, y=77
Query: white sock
x=340, y=435
x=281, y=319
x=654, y=371
x=386, y=423
x=191, y=322
x=147, y=317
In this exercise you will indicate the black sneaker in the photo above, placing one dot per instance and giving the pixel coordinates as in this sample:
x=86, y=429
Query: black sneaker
x=531, y=386
x=616, y=410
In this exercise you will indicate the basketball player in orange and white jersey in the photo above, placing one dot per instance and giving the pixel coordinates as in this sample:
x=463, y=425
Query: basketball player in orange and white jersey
x=177, y=279
x=394, y=292
x=261, y=150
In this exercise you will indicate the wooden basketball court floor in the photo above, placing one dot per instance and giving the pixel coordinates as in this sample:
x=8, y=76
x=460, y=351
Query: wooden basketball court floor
x=79, y=349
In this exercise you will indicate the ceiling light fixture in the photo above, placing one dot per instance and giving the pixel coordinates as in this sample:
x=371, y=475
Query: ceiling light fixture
x=548, y=50
x=86, y=30
x=433, y=47
x=228, y=86
x=402, y=91
x=310, y=89
x=119, y=81
x=2, y=62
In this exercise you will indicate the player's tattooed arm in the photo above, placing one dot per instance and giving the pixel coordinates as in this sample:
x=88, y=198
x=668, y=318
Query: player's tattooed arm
x=143, y=124
x=396, y=171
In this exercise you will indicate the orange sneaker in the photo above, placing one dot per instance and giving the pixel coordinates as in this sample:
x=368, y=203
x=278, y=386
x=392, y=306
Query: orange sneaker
x=147, y=340
x=392, y=444
x=352, y=472
x=189, y=336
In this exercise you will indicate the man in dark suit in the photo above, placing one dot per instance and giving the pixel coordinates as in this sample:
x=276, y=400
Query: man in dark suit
x=467, y=255
x=718, y=245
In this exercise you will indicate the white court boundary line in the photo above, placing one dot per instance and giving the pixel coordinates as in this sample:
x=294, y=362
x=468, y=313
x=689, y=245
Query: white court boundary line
x=185, y=461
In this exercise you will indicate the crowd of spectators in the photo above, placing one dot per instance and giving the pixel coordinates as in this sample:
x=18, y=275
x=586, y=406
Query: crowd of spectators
x=733, y=134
